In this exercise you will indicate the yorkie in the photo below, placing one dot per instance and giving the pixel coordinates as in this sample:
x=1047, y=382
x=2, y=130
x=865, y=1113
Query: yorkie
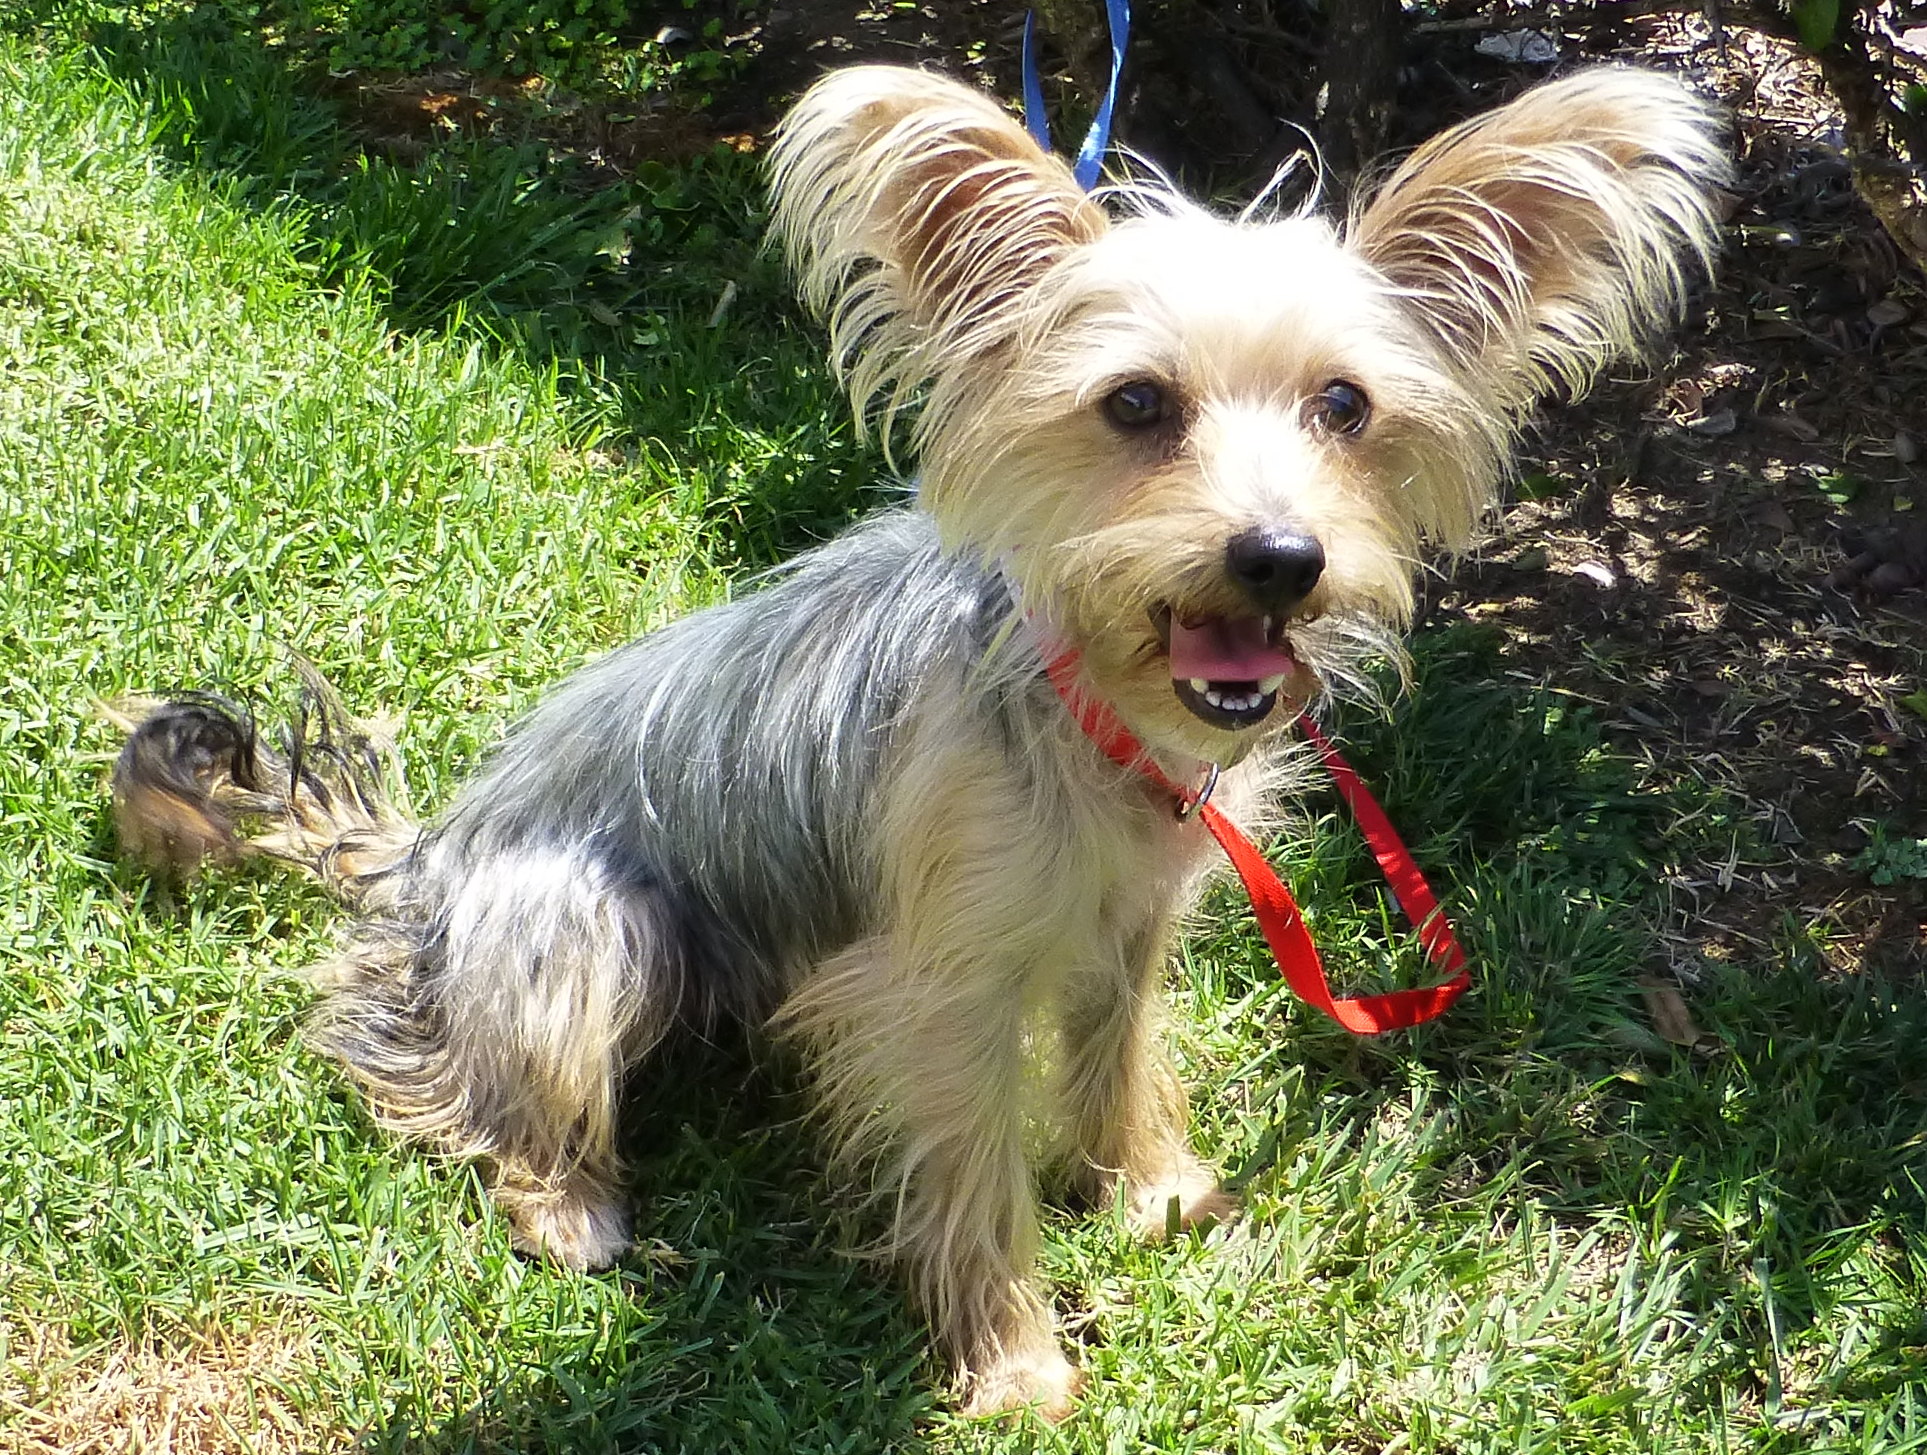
x=1189, y=461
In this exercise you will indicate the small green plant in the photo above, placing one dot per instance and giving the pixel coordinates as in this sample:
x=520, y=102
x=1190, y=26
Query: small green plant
x=1816, y=20
x=589, y=47
x=1888, y=860
x=1838, y=487
x=529, y=37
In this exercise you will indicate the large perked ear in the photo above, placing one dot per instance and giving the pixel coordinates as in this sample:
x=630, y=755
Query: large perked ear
x=917, y=215
x=1542, y=240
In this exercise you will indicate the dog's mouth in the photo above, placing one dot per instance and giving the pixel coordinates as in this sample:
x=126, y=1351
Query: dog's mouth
x=1226, y=670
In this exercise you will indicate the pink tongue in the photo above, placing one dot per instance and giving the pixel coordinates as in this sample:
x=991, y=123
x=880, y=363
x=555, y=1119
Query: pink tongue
x=1225, y=649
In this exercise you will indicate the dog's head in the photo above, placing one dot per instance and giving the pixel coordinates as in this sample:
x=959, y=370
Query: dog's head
x=1209, y=452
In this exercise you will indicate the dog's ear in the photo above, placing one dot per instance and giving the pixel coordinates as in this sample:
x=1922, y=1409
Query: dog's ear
x=1542, y=240
x=918, y=215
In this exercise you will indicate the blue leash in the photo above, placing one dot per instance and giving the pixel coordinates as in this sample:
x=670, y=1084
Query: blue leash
x=1089, y=155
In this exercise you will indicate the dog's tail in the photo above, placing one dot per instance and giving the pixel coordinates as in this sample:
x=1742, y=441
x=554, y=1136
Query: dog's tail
x=195, y=783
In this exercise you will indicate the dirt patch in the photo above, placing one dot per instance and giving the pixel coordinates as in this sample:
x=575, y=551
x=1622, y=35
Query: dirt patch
x=403, y=117
x=1705, y=561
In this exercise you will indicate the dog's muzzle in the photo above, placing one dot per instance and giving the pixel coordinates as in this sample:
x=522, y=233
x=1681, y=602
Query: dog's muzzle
x=1227, y=668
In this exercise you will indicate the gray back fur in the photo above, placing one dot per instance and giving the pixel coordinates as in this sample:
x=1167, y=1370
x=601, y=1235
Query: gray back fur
x=719, y=775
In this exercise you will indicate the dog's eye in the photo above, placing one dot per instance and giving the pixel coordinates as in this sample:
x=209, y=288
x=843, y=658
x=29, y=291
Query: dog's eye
x=1136, y=405
x=1339, y=408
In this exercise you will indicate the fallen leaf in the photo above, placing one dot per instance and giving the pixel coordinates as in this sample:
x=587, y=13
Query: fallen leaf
x=1687, y=395
x=1887, y=312
x=1599, y=574
x=1667, y=1008
x=1719, y=422
x=1792, y=426
x=1916, y=703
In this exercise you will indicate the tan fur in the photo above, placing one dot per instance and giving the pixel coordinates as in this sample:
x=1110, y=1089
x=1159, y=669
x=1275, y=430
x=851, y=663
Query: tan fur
x=1542, y=240
x=1005, y=927
x=1530, y=245
x=1125, y=1111
x=920, y=1039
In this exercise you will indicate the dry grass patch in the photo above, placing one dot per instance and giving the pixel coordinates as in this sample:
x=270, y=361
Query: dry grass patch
x=199, y=1393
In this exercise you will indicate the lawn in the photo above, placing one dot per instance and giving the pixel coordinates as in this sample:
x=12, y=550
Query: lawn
x=453, y=425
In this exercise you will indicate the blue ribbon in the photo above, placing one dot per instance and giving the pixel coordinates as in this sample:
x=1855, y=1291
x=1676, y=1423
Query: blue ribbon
x=1118, y=15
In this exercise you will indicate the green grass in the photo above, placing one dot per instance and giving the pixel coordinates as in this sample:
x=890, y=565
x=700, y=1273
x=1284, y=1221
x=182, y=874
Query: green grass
x=255, y=390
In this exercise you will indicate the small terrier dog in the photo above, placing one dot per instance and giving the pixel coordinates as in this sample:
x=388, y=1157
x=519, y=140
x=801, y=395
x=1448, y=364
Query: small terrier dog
x=1202, y=454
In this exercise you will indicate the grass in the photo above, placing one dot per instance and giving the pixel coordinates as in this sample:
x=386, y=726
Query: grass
x=260, y=390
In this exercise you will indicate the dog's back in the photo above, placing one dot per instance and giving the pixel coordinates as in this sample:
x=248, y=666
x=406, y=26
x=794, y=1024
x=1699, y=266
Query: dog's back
x=723, y=769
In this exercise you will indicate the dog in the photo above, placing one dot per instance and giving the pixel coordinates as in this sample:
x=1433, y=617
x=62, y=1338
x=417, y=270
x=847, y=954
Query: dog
x=1189, y=463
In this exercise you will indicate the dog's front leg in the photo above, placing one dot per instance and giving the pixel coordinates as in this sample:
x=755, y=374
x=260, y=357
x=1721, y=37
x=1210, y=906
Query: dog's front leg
x=917, y=1038
x=1125, y=1106
x=919, y=1068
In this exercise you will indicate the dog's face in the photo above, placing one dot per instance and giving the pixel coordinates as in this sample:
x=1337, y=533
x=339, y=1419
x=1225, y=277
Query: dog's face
x=1211, y=468
x=1208, y=453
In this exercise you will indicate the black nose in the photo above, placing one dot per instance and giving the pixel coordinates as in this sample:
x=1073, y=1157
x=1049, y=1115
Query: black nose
x=1276, y=568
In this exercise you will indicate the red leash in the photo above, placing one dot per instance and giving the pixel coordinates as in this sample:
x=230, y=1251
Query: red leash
x=1278, y=914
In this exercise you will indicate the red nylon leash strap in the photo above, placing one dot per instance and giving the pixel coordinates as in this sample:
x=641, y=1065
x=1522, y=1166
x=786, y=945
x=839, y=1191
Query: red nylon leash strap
x=1278, y=914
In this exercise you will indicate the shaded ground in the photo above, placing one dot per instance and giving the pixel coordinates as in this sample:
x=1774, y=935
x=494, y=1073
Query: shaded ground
x=1729, y=558
x=1699, y=564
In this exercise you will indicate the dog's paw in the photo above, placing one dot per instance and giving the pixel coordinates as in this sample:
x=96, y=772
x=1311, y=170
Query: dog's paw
x=1190, y=1200
x=1040, y=1380
x=578, y=1232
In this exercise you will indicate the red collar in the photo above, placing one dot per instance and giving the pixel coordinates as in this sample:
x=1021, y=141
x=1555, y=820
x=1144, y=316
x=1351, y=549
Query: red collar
x=1278, y=914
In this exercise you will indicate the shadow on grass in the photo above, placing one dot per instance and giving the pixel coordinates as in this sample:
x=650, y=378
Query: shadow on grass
x=742, y=1322
x=650, y=294
x=1774, y=1167
x=1780, y=1157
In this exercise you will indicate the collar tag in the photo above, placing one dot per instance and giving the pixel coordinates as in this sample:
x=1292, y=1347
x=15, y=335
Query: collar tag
x=1190, y=804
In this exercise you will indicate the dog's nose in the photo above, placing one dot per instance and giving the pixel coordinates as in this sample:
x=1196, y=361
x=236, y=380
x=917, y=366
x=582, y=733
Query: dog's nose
x=1276, y=568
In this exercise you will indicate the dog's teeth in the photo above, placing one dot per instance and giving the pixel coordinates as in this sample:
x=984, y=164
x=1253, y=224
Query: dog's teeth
x=1269, y=685
x=1200, y=686
x=1232, y=701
